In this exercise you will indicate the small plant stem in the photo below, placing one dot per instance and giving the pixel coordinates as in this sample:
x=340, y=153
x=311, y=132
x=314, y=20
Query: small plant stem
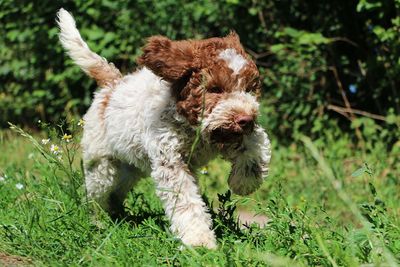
x=325, y=250
x=375, y=240
x=195, y=142
x=344, y=110
x=198, y=130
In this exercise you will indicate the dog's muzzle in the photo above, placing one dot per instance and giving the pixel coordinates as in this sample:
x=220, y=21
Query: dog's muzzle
x=234, y=132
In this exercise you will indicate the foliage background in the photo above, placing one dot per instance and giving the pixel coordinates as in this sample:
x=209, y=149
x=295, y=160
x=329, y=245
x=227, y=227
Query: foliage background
x=317, y=58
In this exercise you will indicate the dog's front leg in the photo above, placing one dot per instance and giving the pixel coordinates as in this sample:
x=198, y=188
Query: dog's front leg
x=250, y=162
x=183, y=205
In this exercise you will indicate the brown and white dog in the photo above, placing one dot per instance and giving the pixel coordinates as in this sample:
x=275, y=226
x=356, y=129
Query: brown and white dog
x=146, y=123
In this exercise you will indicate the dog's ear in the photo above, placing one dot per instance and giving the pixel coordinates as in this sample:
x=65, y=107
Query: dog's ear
x=233, y=41
x=233, y=36
x=168, y=59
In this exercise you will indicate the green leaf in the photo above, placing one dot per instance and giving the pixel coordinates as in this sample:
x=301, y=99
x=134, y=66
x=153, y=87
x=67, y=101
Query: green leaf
x=359, y=172
x=277, y=47
x=372, y=188
x=292, y=32
x=313, y=38
x=253, y=11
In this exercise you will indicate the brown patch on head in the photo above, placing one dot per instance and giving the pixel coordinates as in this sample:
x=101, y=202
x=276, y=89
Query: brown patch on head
x=200, y=78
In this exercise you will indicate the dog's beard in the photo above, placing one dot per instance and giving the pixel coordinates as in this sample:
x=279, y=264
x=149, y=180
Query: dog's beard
x=232, y=134
x=221, y=135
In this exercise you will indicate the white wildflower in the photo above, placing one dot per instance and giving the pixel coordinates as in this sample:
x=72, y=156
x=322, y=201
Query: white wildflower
x=55, y=149
x=67, y=137
x=45, y=141
x=204, y=170
x=2, y=178
x=81, y=122
x=19, y=186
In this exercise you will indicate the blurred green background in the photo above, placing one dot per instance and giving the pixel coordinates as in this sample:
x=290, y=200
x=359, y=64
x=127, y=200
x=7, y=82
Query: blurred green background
x=324, y=64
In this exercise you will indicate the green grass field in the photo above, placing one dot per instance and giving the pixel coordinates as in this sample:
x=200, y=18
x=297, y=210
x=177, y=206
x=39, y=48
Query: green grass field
x=328, y=203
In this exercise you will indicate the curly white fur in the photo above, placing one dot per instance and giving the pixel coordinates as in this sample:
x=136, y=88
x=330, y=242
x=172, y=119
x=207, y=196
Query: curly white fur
x=139, y=132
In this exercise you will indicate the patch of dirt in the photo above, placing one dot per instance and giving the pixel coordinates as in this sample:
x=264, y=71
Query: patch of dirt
x=248, y=217
x=11, y=261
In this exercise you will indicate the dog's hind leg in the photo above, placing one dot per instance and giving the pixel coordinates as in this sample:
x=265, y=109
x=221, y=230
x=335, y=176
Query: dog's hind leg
x=108, y=181
x=128, y=176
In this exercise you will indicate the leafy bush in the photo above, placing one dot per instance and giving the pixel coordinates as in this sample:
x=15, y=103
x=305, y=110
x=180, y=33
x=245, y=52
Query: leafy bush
x=318, y=59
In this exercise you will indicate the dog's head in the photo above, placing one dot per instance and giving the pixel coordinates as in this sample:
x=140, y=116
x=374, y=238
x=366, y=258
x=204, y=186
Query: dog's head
x=214, y=81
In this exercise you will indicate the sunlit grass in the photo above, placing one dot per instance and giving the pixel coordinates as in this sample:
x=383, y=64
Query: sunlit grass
x=324, y=207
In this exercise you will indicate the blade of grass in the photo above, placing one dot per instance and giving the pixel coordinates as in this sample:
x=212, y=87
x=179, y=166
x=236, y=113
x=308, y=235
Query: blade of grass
x=325, y=250
x=104, y=240
x=375, y=240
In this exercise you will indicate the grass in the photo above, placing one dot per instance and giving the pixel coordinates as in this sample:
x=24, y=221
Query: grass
x=328, y=204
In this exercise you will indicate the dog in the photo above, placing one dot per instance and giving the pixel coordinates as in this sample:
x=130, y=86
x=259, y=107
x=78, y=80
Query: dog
x=187, y=102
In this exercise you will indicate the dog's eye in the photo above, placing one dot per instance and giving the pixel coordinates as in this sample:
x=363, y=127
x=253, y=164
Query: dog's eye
x=215, y=90
x=254, y=86
x=250, y=89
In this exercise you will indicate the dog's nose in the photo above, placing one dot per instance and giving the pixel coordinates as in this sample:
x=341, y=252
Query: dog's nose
x=244, y=121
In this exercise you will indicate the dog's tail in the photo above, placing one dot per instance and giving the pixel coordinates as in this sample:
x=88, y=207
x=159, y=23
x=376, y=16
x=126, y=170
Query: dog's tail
x=97, y=67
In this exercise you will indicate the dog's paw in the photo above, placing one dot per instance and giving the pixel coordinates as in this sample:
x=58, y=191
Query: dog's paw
x=245, y=179
x=204, y=239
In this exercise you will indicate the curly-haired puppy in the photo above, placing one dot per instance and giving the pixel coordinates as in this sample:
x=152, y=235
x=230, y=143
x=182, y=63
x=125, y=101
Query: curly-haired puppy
x=147, y=123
